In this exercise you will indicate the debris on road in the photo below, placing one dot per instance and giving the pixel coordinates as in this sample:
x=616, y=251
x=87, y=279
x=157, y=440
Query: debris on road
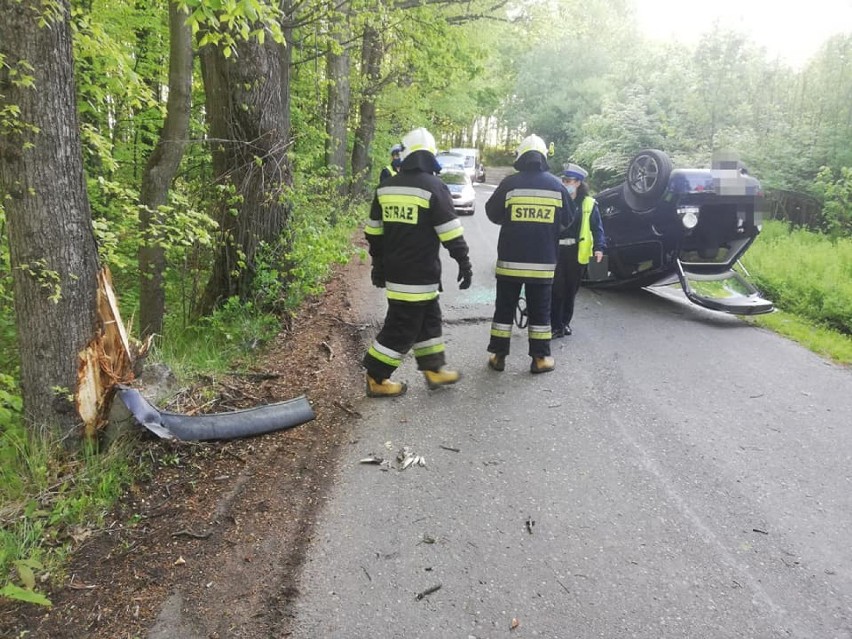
x=530, y=522
x=515, y=623
x=406, y=457
x=427, y=592
x=450, y=448
x=372, y=459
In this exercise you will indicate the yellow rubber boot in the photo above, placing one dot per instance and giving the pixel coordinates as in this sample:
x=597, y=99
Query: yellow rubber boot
x=441, y=377
x=385, y=388
x=542, y=365
x=497, y=362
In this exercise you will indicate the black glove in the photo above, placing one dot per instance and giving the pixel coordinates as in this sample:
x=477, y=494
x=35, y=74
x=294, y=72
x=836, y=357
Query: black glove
x=378, y=277
x=465, y=275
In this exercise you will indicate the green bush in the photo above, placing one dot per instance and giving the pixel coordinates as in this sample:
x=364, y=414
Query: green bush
x=498, y=156
x=806, y=273
x=837, y=199
x=319, y=236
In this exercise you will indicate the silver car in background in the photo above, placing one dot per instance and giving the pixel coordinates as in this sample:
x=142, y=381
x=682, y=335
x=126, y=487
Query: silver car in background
x=461, y=188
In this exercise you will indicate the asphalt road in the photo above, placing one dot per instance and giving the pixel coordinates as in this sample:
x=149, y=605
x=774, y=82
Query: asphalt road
x=681, y=474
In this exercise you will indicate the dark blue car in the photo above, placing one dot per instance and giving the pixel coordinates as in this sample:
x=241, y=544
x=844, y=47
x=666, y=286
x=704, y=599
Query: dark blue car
x=688, y=226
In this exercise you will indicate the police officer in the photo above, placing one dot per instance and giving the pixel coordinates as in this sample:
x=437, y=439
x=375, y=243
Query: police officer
x=576, y=245
x=411, y=216
x=393, y=168
x=531, y=208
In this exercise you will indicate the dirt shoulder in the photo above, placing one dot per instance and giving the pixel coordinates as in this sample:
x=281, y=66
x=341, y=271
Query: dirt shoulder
x=217, y=535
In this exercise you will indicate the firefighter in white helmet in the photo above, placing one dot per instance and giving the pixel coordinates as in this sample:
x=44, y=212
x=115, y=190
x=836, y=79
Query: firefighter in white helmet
x=531, y=208
x=411, y=216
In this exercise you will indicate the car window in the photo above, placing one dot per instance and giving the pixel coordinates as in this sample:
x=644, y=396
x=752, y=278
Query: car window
x=451, y=177
x=447, y=160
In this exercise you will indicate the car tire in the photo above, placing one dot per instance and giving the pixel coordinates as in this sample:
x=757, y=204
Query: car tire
x=647, y=179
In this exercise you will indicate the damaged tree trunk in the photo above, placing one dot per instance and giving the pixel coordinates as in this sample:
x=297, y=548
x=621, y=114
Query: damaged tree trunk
x=107, y=360
x=53, y=253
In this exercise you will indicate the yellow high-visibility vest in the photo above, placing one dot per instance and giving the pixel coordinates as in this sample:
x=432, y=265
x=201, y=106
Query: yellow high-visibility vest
x=585, y=243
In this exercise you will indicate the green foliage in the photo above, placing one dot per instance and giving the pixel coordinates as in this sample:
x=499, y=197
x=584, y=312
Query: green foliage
x=52, y=500
x=19, y=75
x=227, y=338
x=805, y=273
x=11, y=403
x=837, y=199
x=8, y=332
x=498, y=157
x=319, y=236
x=223, y=22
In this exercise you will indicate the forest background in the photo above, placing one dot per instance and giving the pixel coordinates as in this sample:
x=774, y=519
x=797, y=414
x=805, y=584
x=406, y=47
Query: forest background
x=226, y=149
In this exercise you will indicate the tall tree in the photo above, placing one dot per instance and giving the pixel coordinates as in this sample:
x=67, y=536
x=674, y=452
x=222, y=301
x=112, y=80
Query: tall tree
x=160, y=170
x=245, y=105
x=371, y=67
x=52, y=246
x=337, y=68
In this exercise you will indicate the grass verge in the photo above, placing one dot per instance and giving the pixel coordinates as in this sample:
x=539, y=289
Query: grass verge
x=50, y=502
x=822, y=341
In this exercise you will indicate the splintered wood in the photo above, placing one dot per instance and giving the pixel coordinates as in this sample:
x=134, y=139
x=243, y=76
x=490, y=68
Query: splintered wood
x=106, y=361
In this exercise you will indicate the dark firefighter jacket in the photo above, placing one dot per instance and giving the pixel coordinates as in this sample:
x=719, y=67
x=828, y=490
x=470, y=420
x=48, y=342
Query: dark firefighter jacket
x=531, y=207
x=411, y=216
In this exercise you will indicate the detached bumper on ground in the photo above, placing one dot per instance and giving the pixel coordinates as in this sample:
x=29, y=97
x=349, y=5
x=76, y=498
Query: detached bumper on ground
x=231, y=425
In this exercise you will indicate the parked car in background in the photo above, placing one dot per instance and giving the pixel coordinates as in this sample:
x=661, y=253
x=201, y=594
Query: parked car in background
x=461, y=188
x=449, y=160
x=665, y=225
x=472, y=163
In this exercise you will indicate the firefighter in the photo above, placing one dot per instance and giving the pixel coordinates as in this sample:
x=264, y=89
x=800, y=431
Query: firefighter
x=531, y=207
x=393, y=168
x=411, y=216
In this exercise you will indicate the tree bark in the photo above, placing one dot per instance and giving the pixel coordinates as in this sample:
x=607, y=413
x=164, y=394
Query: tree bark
x=245, y=106
x=53, y=252
x=286, y=55
x=337, y=69
x=160, y=170
x=371, y=64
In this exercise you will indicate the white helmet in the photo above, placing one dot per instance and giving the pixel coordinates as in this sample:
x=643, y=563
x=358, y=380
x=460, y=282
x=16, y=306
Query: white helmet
x=531, y=143
x=418, y=140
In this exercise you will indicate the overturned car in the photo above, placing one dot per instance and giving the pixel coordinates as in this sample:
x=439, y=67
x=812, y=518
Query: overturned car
x=665, y=225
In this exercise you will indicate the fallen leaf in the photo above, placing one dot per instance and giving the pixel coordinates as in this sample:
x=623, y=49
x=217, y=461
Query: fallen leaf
x=180, y=561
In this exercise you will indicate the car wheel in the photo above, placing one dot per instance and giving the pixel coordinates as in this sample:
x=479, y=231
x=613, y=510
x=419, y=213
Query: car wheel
x=647, y=178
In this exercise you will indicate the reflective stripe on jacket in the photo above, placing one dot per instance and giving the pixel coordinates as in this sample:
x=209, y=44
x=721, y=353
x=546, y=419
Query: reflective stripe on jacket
x=411, y=216
x=531, y=208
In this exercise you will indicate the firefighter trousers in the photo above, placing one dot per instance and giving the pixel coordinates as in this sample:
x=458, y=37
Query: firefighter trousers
x=407, y=325
x=538, y=309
